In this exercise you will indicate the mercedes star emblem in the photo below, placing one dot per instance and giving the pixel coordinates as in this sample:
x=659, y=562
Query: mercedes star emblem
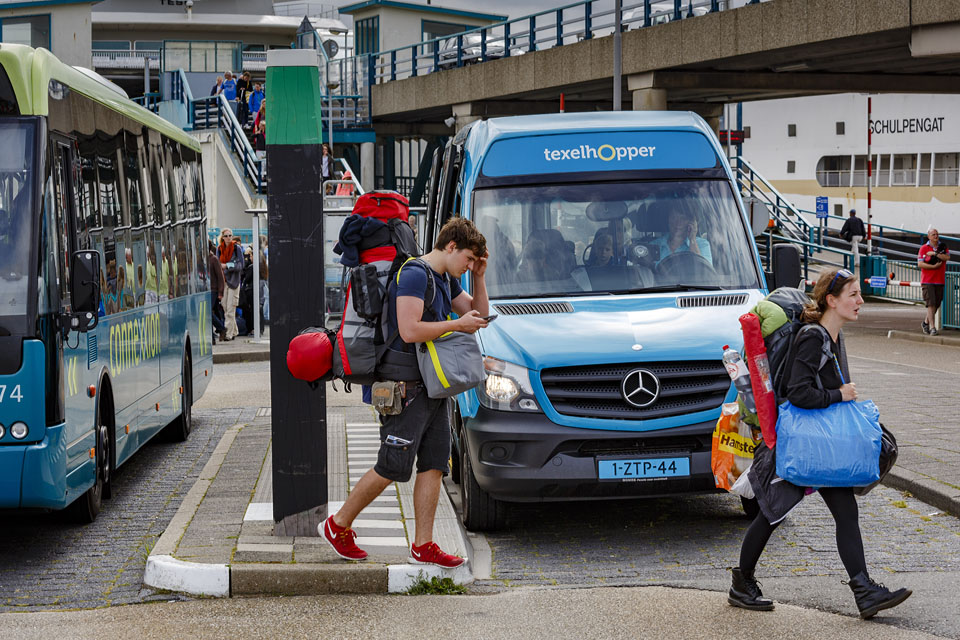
x=640, y=388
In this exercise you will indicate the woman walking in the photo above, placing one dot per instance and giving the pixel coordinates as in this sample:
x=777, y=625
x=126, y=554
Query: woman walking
x=836, y=301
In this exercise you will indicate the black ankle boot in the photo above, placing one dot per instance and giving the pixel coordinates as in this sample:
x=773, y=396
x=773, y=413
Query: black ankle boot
x=745, y=593
x=873, y=597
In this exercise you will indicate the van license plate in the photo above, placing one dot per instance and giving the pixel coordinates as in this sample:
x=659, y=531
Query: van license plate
x=643, y=468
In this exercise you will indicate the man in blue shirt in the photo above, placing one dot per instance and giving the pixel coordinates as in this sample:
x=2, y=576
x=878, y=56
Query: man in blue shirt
x=683, y=237
x=256, y=97
x=229, y=90
x=421, y=431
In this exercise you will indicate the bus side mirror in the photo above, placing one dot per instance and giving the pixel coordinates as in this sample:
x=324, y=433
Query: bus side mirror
x=84, y=290
x=758, y=214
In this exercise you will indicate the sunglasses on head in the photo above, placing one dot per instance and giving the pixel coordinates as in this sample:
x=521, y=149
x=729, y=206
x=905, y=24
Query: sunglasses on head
x=842, y=273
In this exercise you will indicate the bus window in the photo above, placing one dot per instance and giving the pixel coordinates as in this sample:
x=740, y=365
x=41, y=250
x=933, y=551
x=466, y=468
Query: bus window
x=137, y=209
x=65, y=207
x=17, y=184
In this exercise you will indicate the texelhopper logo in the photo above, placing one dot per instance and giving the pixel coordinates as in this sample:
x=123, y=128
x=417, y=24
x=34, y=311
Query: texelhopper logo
x=605, y=152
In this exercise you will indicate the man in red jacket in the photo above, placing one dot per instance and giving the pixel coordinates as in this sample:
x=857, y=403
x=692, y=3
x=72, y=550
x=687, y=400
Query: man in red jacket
x=932, y=260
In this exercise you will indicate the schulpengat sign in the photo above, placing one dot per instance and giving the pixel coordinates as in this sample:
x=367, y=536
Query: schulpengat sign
x=907, y=125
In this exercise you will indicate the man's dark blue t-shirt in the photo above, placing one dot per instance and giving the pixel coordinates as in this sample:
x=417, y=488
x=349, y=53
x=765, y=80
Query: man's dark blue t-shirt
x=413, y=282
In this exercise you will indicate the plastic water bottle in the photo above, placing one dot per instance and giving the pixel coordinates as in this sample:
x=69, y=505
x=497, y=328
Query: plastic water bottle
x=740, y=374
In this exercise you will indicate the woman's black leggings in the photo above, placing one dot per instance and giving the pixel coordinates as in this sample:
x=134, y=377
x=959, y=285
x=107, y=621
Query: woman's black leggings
x=842, y=504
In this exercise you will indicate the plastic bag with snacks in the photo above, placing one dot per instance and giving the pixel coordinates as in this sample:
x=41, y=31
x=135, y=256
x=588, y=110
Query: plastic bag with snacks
x=732, y=449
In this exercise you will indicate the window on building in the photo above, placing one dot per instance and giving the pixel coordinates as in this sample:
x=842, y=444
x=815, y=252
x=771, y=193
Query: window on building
x=841, y=128
x=791, y=130
x=29, y=30
x=148, y=45
x=111, y=45
x=367, y=35
x=431, y=30
x=833, y=171
x=791, y=166
x=838, y=210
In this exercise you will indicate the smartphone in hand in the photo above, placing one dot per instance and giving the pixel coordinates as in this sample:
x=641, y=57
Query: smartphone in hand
x=491, y=318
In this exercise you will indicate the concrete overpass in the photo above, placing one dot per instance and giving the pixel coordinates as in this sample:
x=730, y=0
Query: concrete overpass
x=776, y=49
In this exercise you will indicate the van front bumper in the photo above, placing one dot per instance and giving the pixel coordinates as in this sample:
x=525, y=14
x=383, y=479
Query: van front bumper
x=524, y=457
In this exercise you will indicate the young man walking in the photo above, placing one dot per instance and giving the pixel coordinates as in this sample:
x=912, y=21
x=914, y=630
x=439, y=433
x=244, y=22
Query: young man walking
x=932, y=261
x=421, y=431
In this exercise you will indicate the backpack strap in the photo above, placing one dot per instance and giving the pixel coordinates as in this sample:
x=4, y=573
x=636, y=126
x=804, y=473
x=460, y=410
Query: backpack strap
x=431, y=291
x=825, y=352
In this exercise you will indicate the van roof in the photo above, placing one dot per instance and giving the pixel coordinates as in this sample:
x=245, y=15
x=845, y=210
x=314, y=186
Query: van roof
x=593, y=121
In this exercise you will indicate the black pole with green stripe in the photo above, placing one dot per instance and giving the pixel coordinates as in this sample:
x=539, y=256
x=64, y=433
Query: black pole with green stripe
x=295, y=208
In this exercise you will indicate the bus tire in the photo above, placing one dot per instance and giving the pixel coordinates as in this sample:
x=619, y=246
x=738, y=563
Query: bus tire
x=181, y=427
x=85, y=509
x=480, y=511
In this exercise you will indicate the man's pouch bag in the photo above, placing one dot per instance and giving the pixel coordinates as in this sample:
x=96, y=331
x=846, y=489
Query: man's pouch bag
x=451, y=364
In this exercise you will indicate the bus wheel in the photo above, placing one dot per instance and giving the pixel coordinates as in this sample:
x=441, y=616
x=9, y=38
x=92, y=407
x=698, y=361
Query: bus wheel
x=85, y=509
x=481, y=512
x=181, y=427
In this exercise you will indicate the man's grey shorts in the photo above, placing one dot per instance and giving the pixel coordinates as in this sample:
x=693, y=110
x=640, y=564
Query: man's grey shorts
x=422, y=431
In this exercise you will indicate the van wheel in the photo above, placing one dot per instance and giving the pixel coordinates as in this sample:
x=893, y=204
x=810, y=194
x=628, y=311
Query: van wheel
x=456, y=468
x=85, y=509
x=480, y=511
x=179, y=429
x=751, y=507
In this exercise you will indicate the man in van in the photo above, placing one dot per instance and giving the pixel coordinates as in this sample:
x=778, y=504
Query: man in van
x=421, y=431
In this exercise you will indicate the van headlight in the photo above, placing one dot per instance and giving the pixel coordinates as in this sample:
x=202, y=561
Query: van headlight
x=507, y=387
x=18, y=430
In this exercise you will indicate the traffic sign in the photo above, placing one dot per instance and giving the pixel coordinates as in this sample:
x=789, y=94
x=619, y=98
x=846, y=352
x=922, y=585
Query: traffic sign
x=878, y=282
x=823, y=207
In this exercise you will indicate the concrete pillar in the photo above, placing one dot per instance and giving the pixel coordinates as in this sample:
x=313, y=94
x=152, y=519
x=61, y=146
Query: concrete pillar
x=464, y=115
x=647, y=96
x=368, y=152
x=711, y=113
x=650, y=100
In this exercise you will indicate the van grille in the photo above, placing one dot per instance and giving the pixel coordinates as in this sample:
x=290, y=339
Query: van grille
x=533, y=308
x=594, y=391
x=729, y=300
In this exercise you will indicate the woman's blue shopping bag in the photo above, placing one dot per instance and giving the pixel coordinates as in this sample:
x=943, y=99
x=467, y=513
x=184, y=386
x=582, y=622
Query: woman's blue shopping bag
x=834, y=447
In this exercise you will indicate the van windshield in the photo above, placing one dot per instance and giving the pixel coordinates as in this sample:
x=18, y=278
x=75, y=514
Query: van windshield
x=622, y=237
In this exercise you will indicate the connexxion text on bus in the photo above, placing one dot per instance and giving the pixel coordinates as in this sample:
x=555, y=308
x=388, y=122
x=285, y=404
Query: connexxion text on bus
x=105, y=332
x=620, y=261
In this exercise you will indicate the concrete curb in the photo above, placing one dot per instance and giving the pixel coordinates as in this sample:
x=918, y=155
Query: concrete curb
x=947, y=341
x=163, y=571
x=226, y=357
x=941, y=496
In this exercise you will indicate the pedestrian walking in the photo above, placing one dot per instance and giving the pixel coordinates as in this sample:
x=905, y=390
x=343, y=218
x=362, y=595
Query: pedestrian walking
x=217, y=286
x=256, y=98
x=326, y=164
x=217, y=86
x=853, y=232
x=836, y=301
x=421, y=430
x=229, y=90
x=231, y=259
x=932, y=260
x=244, y=85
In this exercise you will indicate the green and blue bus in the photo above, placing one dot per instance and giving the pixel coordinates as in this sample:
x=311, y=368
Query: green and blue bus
x=105, y=331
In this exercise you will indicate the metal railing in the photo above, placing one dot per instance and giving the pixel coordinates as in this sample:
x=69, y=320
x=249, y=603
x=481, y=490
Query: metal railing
x=125, y=58
x=149, y=100
x=545, y=30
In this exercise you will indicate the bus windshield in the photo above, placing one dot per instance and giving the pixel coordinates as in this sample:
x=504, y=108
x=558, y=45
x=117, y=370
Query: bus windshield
x=17, y=186
x=624, y=237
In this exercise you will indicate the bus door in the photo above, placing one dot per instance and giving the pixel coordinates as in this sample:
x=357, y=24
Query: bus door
x=443, y=197
x=73, y=347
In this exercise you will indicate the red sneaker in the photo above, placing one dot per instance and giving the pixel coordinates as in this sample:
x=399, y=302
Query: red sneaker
x=342, y=540
x=430, y=553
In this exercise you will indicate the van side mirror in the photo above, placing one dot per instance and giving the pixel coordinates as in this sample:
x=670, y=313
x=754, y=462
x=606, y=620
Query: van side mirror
x=84, y=290
x=786, y=266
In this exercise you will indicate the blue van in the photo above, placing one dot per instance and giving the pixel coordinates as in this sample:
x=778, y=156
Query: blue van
x=620, y=260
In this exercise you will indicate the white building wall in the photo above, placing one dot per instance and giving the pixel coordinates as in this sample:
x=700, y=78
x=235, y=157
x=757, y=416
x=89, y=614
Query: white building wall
x=912, y=124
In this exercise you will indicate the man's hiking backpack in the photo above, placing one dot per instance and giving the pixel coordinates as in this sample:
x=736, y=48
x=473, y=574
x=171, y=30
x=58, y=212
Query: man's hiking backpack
x=374, y=242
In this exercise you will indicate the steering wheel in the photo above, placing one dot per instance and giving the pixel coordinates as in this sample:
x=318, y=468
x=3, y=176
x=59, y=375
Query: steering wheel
x=583, y=257
x=686, y=265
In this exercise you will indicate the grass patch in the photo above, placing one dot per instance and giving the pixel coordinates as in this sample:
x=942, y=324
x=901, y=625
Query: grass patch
x=435, y=586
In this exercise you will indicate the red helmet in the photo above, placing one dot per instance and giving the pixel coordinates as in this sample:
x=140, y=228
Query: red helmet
x=310, y=355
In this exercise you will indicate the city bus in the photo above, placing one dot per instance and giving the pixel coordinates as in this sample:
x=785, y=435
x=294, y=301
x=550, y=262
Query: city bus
x=105, y=331
x=621, y=257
